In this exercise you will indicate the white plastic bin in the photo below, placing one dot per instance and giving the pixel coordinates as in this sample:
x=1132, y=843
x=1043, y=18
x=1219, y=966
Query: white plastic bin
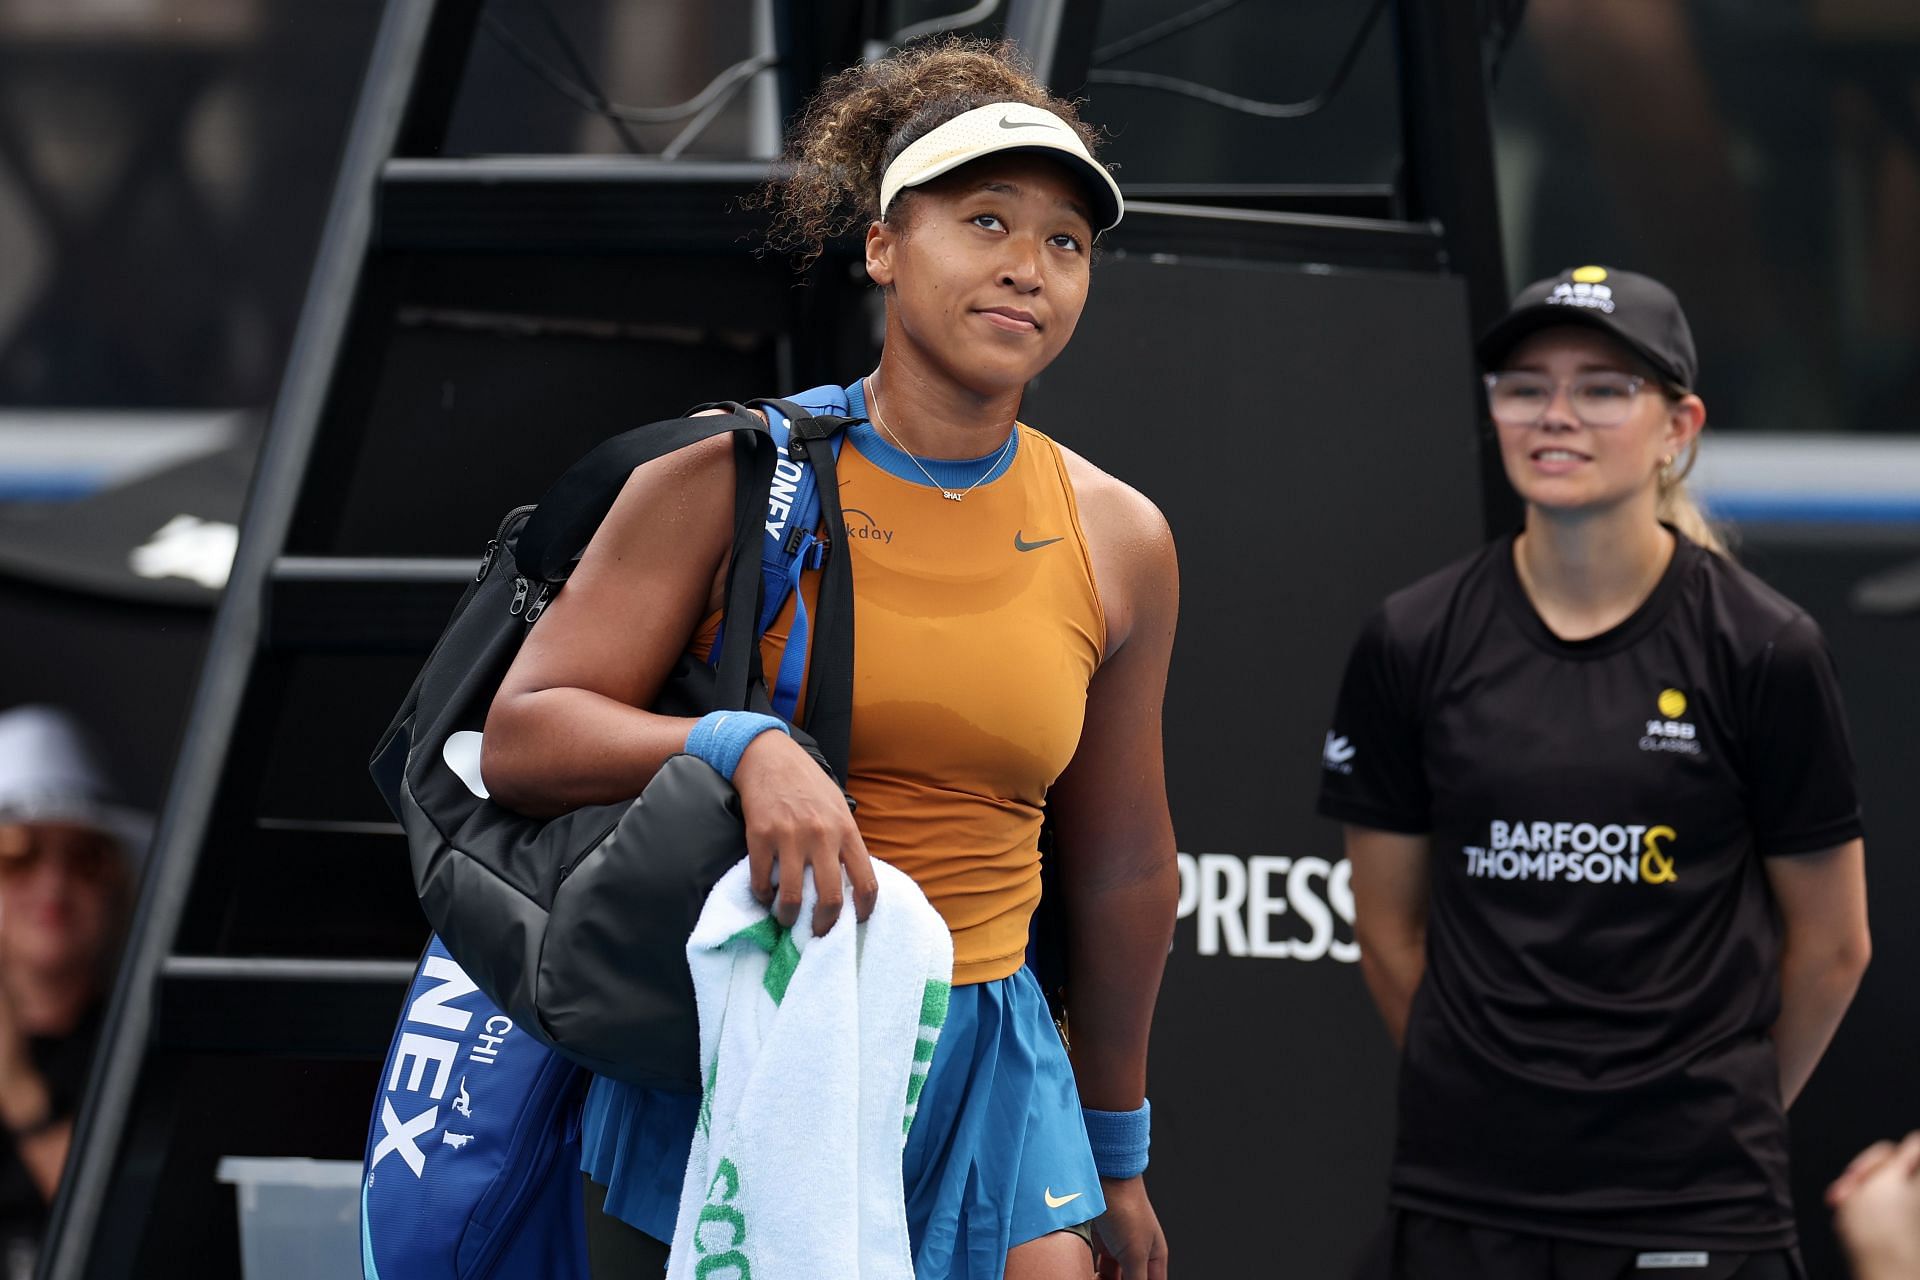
x=299, y=1218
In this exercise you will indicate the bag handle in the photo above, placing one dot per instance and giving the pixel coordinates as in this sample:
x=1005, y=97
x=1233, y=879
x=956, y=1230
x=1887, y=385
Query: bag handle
x=576, y=503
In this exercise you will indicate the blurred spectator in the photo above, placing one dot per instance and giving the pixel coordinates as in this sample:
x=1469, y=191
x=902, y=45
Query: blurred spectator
x=67, y=852
x=1668, y=156
x=1763, y=157
x=164, y=174
x=1876, y=1209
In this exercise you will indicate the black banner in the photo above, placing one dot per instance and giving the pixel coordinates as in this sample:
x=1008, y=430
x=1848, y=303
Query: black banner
x=1309, y=434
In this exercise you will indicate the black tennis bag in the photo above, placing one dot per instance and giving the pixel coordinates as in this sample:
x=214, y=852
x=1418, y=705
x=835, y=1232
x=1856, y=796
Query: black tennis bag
x=576, y=927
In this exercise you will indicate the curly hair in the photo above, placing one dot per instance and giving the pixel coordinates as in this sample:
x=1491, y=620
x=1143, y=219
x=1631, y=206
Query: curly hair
x=861, y=118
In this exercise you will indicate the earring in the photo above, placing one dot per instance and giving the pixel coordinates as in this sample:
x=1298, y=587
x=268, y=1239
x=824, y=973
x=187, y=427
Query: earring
x=1666, y=463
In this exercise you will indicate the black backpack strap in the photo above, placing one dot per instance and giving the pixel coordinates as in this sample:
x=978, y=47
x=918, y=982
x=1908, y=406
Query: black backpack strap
x=803, y=424
x=828, y=714
x=579, y=500
x=738, y=669
x=577, y=503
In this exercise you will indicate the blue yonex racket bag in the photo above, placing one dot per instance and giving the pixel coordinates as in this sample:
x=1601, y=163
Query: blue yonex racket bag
x=473, y=1156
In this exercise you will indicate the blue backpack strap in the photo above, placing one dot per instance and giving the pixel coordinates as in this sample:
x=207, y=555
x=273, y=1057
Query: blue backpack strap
x=800, y=548
x=792, y=546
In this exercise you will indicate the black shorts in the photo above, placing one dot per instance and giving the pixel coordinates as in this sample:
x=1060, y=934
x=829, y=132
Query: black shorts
x=1420, y=1246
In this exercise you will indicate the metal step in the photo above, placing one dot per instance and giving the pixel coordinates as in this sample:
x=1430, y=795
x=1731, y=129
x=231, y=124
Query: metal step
x=567, y=204
x=298, y=1008
x=1260, y=235
x=361, y=604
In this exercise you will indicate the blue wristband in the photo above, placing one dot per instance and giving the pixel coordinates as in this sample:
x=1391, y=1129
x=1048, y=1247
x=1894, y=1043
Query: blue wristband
x=722, y=737
x=1119, y=1140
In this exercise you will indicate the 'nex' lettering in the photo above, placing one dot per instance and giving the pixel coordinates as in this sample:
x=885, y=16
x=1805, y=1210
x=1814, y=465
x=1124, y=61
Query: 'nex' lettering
x=426, y=1061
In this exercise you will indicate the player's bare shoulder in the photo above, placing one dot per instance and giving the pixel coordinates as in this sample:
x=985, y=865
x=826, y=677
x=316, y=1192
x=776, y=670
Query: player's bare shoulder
x=1116, y=514
x=1135, y=568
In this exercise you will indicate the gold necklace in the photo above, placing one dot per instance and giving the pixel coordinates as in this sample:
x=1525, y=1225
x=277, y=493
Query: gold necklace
x=873, y=411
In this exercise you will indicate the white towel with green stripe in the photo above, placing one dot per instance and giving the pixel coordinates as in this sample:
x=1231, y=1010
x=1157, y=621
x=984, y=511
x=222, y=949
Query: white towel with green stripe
x=814, y=1051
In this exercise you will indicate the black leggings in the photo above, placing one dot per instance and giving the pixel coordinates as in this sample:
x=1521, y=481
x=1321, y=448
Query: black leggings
x=616, y=1251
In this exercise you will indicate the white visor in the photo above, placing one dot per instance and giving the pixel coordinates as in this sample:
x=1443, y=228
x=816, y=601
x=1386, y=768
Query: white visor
x=995, y=129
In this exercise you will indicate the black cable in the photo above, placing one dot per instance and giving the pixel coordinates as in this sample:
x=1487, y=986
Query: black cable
x=1253, y=106
x=946, y=22
x=559, y=33
x=1158, y=31
x=727, y=81
x=576, y=93
x=1500, y=27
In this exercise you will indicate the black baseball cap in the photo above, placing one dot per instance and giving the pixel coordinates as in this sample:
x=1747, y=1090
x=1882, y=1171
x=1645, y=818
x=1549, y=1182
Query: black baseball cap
x=1637, y=311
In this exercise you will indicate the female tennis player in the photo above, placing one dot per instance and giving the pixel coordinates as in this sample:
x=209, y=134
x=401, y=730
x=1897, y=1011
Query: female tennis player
x=1607, y=860
x=1014, y=616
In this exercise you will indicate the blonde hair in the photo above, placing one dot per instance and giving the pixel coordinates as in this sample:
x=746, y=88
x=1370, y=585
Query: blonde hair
x=1676, y=506
x=861, y=118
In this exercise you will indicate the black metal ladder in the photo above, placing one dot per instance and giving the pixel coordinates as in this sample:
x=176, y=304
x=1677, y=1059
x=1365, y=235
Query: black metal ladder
x=468, y=328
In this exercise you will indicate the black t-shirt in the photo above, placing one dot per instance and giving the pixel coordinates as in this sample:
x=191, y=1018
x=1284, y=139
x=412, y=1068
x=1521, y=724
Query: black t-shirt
x=1588, y=1054
x=63, y=1064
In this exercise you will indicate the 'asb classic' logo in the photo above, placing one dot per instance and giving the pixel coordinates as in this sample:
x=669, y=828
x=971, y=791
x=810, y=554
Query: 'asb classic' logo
x=1583, y=289
x=1671, y=733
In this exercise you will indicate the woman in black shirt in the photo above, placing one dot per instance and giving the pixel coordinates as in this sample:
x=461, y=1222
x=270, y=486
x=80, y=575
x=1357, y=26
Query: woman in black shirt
x=1606, y=851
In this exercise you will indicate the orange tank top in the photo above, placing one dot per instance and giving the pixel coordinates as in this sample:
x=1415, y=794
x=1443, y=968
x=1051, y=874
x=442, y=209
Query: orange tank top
x=977, y=630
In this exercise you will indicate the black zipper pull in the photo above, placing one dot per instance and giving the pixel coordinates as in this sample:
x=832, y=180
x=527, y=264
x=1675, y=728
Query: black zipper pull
x=486, y=561
x=520, y=587
x=539, y=605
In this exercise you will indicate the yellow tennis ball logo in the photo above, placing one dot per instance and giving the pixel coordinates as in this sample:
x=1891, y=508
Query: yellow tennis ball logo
x=1673, y=703
x=1589, y=275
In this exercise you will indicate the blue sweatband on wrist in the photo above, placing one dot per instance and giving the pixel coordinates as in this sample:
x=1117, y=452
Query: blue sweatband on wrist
x=722, y=737
x=1119, y=1140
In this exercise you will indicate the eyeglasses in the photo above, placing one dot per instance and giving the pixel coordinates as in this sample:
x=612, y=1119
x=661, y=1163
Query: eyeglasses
x=1520, y=399
x=82, y=852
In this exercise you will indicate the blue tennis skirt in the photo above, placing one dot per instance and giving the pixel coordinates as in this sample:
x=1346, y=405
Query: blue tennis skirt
x=997, y=1155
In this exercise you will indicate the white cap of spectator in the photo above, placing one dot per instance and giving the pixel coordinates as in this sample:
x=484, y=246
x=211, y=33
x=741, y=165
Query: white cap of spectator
x=49, y=773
